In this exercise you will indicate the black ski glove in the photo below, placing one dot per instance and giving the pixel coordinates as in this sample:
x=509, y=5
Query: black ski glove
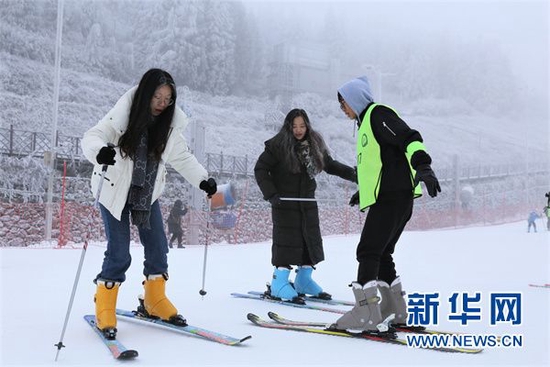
x=275, y=200
x=424, y=173
x=106, y=156
x=210, y=186
x=354, y=199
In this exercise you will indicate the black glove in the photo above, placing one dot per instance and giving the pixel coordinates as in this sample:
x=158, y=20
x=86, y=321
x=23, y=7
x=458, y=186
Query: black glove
x=275, y=200
x=106, y=156
x=210, y=186
x=424, y=173
x=354, y=199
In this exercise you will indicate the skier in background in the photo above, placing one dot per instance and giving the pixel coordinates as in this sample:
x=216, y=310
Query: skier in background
x=532, y=221
x=174, y=223
x=546, y=211
x=287, y=168
x=141, y=133
x=391, y=161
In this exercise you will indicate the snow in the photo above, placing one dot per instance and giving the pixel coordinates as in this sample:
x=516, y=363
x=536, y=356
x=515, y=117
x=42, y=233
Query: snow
x=36, y=284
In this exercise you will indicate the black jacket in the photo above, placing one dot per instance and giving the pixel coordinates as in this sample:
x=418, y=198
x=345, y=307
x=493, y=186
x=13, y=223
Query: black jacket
x=174, y=219
x=394, y=135
x=296, y=233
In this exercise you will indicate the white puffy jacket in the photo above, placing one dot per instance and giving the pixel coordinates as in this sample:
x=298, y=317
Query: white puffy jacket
x=118, y=177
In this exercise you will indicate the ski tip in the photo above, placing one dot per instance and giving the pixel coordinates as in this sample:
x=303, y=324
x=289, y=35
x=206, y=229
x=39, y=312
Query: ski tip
x=273, y=315
x=128, y=354
x=245, y=338
x=252, y=317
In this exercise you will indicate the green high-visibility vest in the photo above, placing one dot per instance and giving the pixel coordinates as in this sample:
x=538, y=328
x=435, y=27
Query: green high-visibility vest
x=369, y=162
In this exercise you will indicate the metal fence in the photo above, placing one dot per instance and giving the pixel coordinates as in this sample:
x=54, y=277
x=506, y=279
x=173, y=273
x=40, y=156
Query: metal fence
x=22, y=143
x=229, y=165
x=17, y=143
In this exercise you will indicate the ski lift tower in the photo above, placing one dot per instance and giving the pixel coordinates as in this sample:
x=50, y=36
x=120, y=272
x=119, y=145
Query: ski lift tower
x=49, y=157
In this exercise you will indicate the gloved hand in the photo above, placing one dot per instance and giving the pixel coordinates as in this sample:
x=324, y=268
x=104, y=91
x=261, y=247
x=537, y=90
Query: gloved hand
x=106, y=155
x=275, y=200
x=424, y=173
x=354, y=199
x=210, y=186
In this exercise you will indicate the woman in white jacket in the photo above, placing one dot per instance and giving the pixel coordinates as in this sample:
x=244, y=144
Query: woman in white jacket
x=141, y=133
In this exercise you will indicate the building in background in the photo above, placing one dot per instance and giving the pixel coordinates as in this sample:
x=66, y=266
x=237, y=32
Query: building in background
x=305, y=67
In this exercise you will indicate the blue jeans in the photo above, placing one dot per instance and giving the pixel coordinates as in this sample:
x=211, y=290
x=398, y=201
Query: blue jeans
x=117, y=257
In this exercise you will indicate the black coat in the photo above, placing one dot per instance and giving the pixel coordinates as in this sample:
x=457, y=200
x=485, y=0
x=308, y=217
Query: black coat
x=296, y=233
x=174, y=219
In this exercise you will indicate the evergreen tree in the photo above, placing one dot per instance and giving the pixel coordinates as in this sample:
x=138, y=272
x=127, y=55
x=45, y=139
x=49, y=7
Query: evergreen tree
x=219, y=40
x=248, y=51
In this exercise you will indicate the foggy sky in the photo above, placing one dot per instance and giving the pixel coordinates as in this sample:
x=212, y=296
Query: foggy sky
x=519, y=28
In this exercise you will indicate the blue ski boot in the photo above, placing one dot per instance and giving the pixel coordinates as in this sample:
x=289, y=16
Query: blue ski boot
x=304, y=285
x=280, y=286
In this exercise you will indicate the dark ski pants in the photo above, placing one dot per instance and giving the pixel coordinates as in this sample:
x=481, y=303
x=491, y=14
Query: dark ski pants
x=178, y=234
x=383, y=226
x=117, y=257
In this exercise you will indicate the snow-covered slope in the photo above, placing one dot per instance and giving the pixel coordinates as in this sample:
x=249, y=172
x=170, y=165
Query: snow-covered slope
x=35, y=284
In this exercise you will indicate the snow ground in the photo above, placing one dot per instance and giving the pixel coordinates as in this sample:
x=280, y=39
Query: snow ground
x=36, y=284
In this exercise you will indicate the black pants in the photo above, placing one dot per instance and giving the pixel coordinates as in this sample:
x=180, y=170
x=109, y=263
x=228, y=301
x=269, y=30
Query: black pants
x=177, y=235
x=383, y=226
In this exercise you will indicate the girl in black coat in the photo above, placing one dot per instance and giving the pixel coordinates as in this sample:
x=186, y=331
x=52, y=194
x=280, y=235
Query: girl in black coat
x=174, y=223
x=287, y=169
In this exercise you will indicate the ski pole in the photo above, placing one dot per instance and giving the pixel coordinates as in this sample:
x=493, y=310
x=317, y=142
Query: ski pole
x=79, y=269
x=202, y=292
x=75, y=284
x=101, y=179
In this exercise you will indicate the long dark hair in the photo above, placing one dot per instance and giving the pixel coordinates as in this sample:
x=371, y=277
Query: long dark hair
x=140, y=116
x=287, y=142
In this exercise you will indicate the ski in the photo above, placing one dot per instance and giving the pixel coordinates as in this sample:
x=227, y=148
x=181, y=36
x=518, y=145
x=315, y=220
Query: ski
x=186, y=330
x=309, y=306
x=334, y=302
x=324, y=330
x=281, y=320
x=540, y=285
x=117, y=349
x=405, y=329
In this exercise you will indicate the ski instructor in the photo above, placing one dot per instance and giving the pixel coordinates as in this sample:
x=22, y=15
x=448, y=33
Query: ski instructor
x=391, y=161
x=139, y=135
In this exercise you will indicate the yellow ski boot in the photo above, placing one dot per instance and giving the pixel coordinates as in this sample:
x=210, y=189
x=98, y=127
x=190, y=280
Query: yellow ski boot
x=105, y=307
x=155, y=304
